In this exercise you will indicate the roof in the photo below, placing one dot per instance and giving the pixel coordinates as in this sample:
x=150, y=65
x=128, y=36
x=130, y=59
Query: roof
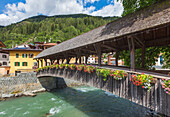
x=147, y=21
x=21, y=49
x=49, y=44
x=2, y=44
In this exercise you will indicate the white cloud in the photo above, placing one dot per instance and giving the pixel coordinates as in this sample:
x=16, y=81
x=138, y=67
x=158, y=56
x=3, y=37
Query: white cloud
x=90, y=1
x=110, y=10
x=20, y=11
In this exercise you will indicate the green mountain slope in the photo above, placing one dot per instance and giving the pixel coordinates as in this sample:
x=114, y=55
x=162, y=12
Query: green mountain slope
x=58, y=28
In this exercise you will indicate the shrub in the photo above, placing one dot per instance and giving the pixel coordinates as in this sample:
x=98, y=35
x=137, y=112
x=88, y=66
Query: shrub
x=166, y=85
x=142, y=80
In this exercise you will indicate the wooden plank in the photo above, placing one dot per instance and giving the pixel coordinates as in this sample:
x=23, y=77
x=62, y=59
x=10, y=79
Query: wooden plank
x=116, y=90
x=113, y=80
x=117, y=58
x=124, y=88
x=163, y=101
x=160, y=96
x=121, y=88
x=144, y=98
x=118, y=86
x=132, y=93
x=148, y=99
x=135, y=94
x=156, y=98
x=168, y=113
x=167, y=105
x=152, y=99
x=127, y=87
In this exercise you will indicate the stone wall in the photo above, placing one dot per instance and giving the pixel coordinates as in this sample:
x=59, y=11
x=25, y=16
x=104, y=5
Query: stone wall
x=21, y=83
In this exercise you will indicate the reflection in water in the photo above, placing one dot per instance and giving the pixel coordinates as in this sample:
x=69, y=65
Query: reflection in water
x=82, y=101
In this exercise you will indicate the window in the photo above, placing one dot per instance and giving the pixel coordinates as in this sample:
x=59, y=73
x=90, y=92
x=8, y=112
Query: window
x=4, y=56
x=24, y=63
x=24, y=55
x=17, y=55
x=4, y=63
x=17, y=63
x=31, y=55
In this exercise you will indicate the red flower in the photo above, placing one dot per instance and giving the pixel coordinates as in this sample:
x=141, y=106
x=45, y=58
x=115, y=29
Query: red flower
x=142, y=86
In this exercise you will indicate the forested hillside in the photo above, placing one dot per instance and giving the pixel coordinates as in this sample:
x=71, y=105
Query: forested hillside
x=58, y=28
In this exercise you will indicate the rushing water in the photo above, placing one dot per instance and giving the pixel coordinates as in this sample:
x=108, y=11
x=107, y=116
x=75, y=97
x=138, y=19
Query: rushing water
x=82, y=101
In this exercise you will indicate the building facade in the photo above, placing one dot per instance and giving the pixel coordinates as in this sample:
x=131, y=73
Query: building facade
x=4, y=60
x=22, y=60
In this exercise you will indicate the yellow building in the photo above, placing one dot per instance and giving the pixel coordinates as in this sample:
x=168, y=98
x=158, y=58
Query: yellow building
x=22, y=59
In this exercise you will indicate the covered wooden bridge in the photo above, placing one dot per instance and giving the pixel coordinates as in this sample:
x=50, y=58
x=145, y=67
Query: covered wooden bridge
x=148, y=27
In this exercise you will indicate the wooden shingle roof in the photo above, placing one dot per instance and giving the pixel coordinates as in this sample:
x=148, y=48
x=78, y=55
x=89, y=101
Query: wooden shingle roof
x=152, y=17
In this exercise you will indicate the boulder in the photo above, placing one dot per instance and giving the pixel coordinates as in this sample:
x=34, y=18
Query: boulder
x=39, y=90
x=29, y=94
x=7, y=95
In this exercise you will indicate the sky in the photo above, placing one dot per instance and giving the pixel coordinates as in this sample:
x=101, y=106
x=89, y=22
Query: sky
x=12, y=11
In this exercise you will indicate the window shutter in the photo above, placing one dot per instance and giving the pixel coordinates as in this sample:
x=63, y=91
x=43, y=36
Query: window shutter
x=22, y=55
x=14, y=63
x=26, y=63
x=18, y=63
x=22, y=63
x=26, y=55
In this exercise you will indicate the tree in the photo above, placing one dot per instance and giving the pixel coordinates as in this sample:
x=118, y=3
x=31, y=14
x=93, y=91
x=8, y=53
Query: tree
x=134, y=5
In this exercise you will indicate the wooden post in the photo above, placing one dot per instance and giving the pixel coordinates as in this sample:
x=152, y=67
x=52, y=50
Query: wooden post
x=79, y=59
x=78, y=52
x=37, y=63
x=143, y=56
x=76, y=60
x=41, y=63
x=68, y=60
x=58, y=61
x=98, y=51
x=45, y=62
x=63, y=60
x=86, y=57
x=132, y=53
x=51, y=61
x=117, y=58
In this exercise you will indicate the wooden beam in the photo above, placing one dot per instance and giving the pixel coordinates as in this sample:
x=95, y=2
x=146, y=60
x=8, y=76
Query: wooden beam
x=37, y=63
x=143, y=56
x=98, y=51
x=41, y=63
x=76, y=60
x=140, y=43
x=132, y=55
x=45, y=62
x=88, y=50
x=109, y=47
x=86, y=57
x=117, y=58
x=132, y=52
x=78, y=52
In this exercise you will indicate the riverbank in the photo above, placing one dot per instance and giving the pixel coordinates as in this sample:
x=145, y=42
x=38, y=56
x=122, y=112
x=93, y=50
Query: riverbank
x=21, y=94
x=25, y=84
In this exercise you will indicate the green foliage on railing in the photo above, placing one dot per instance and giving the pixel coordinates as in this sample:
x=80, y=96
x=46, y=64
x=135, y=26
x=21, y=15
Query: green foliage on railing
x=142, y=80
x=166, y=85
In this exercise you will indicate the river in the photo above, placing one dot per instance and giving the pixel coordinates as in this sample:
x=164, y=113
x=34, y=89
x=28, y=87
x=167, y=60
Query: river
x=80, y=101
